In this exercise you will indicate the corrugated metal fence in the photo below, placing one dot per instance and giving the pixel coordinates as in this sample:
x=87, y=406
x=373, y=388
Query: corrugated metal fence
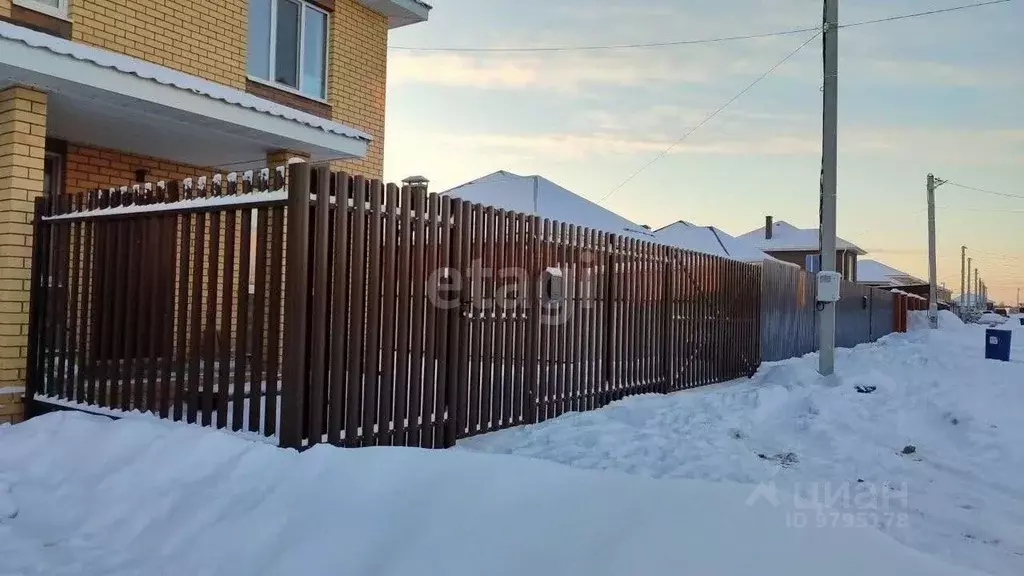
x=790, y=322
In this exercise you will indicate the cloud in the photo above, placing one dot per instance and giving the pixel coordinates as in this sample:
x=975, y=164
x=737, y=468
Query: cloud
x=575, y=146
x=940, y=73
x=557, y=71
x=948, y=145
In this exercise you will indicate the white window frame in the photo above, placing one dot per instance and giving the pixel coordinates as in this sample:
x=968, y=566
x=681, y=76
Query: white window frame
x=61, y=11
x=303, y=4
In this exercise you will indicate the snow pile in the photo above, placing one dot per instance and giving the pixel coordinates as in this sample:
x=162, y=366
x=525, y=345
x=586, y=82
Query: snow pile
x=918, y=320
x=991, y=319
x=81, y=494
x=921, y=413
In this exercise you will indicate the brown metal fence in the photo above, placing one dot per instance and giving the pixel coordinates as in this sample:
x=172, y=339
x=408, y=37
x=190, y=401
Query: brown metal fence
x=321, y=307
x=162, y=299
x=429, y=319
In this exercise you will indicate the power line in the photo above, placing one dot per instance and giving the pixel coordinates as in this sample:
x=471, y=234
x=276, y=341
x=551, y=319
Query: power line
x=926, y=13
x=1007, y=256
x=592, y=48
x=709, y=117
x=973, y=209
x=984, y=191
x=688, y=42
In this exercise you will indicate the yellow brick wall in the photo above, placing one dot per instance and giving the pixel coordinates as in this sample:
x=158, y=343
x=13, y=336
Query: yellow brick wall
x=206, y=38
x=88, y=168
x=11, y=408
x=22, y=146
x=358, y=79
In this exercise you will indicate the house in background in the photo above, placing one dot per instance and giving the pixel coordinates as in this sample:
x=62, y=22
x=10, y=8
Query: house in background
x=708, y=240
x=878, y=275
x=541, y=197
x=801, y=246
x=105, y=94
x=874, y=273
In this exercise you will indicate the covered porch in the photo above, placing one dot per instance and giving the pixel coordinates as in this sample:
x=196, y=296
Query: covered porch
x=75, y=117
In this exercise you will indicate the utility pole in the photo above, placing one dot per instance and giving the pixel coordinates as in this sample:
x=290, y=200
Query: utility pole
x=969, y=291
x=829, y=152
x=977, y=286
x=963, y=263
x=933, y=305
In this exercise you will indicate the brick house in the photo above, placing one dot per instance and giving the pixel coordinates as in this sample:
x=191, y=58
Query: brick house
x=801, y=246
x=102, y=93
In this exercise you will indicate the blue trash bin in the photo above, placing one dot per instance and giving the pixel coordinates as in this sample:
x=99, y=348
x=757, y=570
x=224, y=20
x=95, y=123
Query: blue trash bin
x=1021, y=321
x=997, y=344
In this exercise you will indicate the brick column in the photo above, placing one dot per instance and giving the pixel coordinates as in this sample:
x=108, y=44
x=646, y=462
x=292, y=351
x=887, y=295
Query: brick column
x=22, y=148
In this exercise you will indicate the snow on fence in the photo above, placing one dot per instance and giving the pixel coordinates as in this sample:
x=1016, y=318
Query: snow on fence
x=394, y=317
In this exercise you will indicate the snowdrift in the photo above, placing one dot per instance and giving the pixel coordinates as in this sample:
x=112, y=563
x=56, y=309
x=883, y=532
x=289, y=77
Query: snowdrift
x=81, y=494
x=931, y=393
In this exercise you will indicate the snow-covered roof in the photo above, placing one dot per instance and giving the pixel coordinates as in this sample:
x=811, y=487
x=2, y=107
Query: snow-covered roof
x=786, y=237
x=170, y=77
x=874, y=272
x=542, y=197
x=708, y=240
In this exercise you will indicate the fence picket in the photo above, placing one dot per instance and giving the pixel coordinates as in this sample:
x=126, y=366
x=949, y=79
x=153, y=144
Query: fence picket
x=431, y=416
x=340, y=333
x=354, y=428
x=439, y=285
x=531, y=388
x=486, y=317
x=372, y=430
x=544, y=397
x=505, y=309
x=257, y=347
x=210, y=327
x=403, y=330
x=320, y=268
x=416, y=411
x=389, y=304
x=495, y=340
x=242, y=324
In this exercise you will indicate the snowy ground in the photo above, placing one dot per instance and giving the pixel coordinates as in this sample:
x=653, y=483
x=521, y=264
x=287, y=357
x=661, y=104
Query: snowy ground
x=84, y=495
x=81, y=494
x=959, y=496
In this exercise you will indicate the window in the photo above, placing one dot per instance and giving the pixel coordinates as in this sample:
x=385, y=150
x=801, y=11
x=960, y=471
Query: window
x=56, y=8
x=812, y=262
x=53, y=174
x=288, y=46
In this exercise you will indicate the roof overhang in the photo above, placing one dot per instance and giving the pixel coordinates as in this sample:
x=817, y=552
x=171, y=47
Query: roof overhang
x=111, y=100
x=400, y=12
